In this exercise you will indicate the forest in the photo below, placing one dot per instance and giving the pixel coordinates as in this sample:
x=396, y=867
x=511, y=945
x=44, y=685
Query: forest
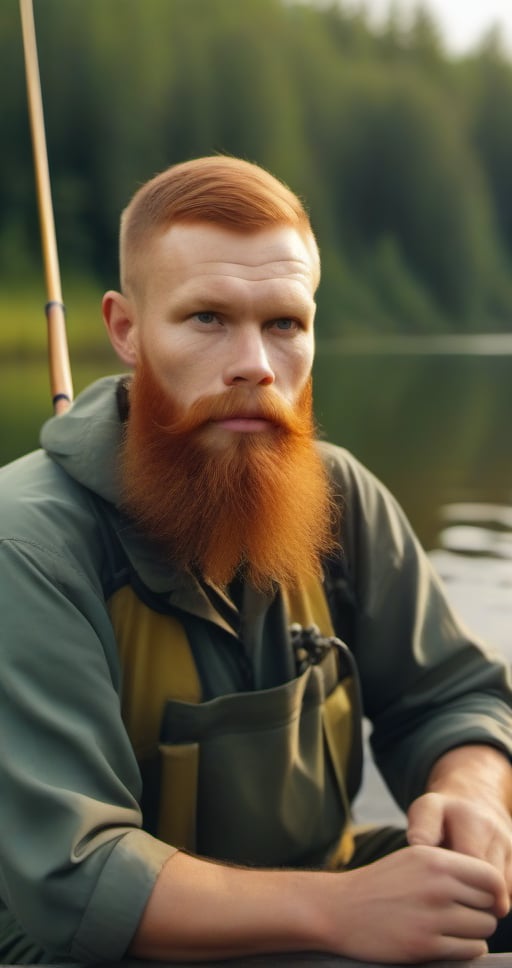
x=402, y=152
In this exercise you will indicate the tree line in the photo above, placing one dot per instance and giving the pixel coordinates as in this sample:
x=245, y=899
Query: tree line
x=402, y=152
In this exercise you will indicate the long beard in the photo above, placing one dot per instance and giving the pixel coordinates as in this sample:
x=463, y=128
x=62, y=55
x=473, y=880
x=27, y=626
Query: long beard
x=222, y=502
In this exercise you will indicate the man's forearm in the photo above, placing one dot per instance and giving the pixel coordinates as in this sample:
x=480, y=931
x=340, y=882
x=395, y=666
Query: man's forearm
x=199, y=909
x=477, y=771
x=421, y=902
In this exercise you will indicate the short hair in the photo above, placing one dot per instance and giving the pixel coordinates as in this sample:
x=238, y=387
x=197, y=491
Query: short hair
x=220, y=189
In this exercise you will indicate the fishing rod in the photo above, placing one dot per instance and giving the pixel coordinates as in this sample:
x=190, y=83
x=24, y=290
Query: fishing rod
x=58, y=356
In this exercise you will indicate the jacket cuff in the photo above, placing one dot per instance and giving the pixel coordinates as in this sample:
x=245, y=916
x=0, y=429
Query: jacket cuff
x=120, y=896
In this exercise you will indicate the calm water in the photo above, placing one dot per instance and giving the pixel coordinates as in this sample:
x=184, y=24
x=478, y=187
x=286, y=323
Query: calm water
x=433, y=423
x=432, y=418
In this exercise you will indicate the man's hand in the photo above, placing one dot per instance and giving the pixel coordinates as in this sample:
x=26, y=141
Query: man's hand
x=467, y=809
x=419, y=904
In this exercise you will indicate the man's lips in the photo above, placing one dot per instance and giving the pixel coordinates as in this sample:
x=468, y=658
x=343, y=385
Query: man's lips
x=244, y=424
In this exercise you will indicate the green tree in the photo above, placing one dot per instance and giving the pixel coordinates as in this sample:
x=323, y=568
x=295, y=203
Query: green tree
x=402, y=153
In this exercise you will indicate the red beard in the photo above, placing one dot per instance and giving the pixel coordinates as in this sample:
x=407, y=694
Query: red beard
x=219, y=501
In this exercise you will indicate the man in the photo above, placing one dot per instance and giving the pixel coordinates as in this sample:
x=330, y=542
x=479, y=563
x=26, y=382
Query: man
x=180, y=729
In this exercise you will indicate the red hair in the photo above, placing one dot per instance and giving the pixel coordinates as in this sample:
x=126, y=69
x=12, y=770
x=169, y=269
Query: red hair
x=226, y=191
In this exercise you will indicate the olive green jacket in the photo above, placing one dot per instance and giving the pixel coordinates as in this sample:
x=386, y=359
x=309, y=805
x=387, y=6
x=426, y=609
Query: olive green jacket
x=78, y=859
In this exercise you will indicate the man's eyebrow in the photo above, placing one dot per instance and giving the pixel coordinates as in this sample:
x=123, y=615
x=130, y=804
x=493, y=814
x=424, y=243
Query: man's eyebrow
x=283, y=304
x=205, y=300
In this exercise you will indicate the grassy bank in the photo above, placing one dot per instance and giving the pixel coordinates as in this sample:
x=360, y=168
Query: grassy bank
x=23, y=325
x=24, y=379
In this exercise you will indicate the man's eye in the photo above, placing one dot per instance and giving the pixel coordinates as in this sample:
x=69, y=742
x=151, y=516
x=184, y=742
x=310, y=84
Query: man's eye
x=285, y=324
x=206, y=317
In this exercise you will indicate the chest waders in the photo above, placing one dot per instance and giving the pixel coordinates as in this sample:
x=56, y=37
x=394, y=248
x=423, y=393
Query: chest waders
x=260, y=777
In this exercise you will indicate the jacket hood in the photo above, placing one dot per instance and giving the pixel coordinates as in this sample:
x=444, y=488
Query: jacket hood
x=85, y=441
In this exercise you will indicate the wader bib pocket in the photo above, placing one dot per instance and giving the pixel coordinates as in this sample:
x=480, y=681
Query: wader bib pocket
x=261, y=777
x=266, y=771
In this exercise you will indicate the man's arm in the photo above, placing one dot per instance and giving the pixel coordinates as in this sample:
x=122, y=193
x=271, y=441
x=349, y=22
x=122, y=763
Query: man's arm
x=422, y=903
x=467, y=807
x=77, y=878
x=428, y=685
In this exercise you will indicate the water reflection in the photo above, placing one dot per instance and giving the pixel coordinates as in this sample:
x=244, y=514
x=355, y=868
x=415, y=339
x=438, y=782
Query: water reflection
x=434, y=426
x=474, y=559
x=460, y=344
x=477, y=528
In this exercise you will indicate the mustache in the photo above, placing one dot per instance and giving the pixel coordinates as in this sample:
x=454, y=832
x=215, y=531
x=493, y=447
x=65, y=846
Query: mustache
x=263, y=404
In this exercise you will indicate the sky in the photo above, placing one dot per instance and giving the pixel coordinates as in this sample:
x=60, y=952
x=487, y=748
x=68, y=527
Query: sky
x=462, y=21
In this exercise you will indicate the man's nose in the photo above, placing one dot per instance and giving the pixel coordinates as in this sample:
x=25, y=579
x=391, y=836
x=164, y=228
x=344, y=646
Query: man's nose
x=248, y=359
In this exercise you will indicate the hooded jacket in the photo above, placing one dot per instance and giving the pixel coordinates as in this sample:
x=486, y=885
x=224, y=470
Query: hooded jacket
x=78, y=858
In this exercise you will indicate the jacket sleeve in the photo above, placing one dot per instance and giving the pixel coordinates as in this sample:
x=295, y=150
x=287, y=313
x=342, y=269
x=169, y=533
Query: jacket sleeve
x=427, y=684
x=76, y=870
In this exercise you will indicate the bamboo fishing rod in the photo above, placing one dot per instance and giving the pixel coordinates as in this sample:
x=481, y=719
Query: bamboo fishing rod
x=61, y=383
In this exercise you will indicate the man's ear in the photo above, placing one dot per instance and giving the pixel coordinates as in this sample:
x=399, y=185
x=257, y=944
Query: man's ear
x=118, y=313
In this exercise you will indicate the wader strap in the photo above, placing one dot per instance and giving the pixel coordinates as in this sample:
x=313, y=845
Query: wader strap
x=307, y=605
x=338, y=719
x=157, y=665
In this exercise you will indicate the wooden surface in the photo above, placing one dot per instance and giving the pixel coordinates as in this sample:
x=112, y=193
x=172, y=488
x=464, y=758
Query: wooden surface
x=304, y=959
x=313, y=960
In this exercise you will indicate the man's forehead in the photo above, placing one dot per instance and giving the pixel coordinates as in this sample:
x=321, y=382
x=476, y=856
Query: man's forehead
x=208, y=251
x=222, y=292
